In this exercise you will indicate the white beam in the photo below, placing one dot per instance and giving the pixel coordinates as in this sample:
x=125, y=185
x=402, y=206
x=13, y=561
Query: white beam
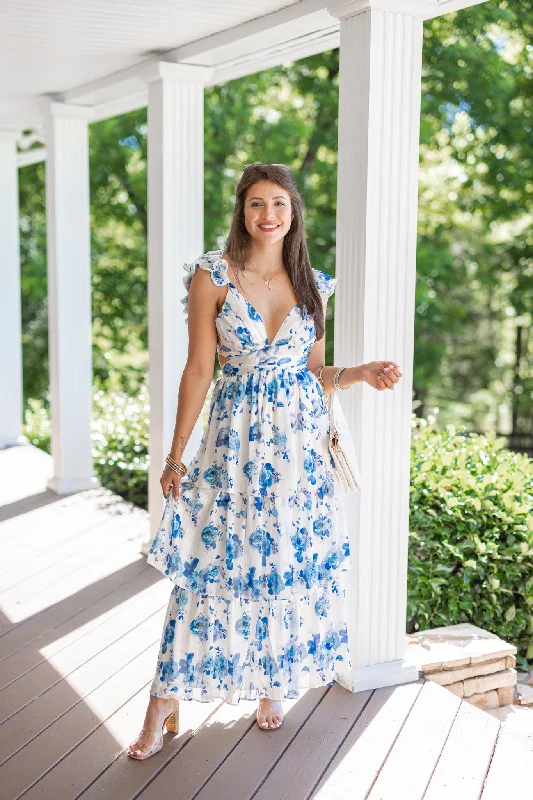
x=423, y=9
x=69, y=296
x=175, y=236
x=10, y=312
x=31, y=157
x=379, y=114
x=293, y=32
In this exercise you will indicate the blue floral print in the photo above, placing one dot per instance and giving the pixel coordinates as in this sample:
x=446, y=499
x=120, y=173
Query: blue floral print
x=257, y=543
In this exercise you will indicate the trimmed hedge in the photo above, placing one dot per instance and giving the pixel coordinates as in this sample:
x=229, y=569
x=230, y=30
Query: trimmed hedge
x=471, y=535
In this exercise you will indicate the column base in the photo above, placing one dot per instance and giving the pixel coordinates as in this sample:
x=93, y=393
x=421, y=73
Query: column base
x=389, y=673
x=70, y=486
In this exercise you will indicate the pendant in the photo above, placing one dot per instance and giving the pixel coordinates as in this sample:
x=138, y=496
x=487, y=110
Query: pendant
x=267, y=283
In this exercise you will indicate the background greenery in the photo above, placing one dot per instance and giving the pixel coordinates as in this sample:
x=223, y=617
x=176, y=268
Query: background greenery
x=474, y=292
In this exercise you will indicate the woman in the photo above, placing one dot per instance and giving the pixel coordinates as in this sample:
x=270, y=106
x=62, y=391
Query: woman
x=253, y=535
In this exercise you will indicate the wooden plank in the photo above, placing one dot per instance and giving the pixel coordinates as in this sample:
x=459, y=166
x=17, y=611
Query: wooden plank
x=249, y=763
x=24, y=470
x=88, y=768
x=34, y=574
x=25, y=505
x=511, y=769
x=95, y=653
x=45, y=752
x=61, y=613
x=465, y=759
x=300, y=766
x=53, y=524
x=208, y=732
x=52, y=642
x=356, y=765
x=417, y=749
x=105, y=565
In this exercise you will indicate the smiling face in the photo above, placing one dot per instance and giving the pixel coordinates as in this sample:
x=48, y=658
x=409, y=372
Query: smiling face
x=267, y=212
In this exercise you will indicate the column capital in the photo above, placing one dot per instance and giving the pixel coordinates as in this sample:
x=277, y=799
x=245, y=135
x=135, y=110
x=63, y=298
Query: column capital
x=55, y=108
x=426, y=9
x=170, y=70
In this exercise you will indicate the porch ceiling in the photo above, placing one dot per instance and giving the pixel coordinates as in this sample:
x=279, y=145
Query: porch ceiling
x=87, y=52
x=90, y=52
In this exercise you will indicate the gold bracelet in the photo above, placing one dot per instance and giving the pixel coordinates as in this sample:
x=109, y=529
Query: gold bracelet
x=320, y=379
x=180, y=468
x=174, y=464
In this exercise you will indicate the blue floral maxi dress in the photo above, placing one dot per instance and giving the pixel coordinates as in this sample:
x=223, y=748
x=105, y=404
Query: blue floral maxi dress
x=256, y=544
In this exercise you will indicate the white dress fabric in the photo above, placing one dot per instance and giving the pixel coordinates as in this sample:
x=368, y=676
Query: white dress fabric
x=257, y=544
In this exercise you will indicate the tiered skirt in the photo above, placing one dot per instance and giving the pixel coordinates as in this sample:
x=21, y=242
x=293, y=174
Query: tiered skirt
x=257, y=549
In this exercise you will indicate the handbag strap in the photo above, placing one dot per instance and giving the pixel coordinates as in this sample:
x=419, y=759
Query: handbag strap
x=332, y=426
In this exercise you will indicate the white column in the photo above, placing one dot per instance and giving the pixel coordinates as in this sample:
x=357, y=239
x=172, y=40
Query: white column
x=379, y=114
x=175, y=236
x=10, y=313
x=69, y=295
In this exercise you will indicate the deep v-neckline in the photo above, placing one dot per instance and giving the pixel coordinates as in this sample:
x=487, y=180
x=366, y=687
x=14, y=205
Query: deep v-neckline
x=245, y=299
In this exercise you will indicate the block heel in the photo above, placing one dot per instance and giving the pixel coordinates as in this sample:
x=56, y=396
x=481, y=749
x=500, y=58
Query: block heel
x=172, y=721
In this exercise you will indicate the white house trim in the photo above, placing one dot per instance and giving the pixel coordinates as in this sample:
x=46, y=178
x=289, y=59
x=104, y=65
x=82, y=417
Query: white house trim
x=69, y=296
x=10, y=311
x=175, y=235
x=423, y=9
x=379, y=113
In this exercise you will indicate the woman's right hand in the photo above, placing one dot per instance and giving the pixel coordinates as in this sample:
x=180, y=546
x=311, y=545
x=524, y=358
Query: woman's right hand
x=170, y=482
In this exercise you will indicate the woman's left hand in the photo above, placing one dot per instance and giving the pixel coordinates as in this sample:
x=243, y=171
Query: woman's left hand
x=381, y=374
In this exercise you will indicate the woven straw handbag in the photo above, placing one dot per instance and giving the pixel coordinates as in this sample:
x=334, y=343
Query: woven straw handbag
x=341, y=447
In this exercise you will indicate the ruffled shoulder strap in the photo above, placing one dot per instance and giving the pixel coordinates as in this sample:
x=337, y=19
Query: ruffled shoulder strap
x=324, y=283
x=213, y=263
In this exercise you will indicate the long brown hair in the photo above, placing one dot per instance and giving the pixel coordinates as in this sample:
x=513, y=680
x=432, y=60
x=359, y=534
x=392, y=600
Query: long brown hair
x=295, y=252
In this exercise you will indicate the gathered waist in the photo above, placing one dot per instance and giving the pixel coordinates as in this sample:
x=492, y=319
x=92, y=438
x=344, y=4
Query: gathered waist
x=241, y=365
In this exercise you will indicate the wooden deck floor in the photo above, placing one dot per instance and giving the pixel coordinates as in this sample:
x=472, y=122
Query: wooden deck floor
x=81, y=620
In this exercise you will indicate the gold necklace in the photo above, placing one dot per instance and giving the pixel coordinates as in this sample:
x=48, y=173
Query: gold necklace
x=267, y=281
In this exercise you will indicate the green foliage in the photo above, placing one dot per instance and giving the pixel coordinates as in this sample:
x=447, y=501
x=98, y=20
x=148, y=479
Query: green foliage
x=120, y=443
x=118, y=157
x=120, y=426
x=33, y=282
x=475, y=204
x=471, y=535
x=37, y=425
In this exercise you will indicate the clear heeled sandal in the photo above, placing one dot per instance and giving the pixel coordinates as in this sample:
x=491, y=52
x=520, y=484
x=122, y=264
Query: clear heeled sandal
x=171, y=722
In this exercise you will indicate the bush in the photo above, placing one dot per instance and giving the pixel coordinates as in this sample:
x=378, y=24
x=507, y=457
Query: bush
x=37, y=425
x=120, y=443
x=119, y=440
x=471, y=535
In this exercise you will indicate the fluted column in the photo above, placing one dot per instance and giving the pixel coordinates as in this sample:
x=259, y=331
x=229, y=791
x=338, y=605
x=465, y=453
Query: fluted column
x=175, y=236
x=10, y=312
x=69, y=295
x=379, y=113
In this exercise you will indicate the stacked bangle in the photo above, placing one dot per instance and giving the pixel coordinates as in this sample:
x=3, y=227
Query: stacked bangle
x=180, y=468
x=336, y=384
